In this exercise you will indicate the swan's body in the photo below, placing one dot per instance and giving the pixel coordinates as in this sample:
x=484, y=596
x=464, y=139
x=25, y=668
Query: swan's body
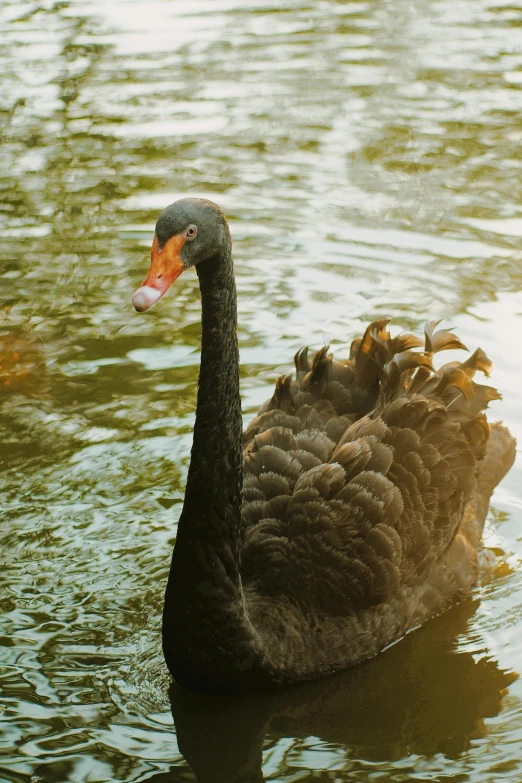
x=350, y=511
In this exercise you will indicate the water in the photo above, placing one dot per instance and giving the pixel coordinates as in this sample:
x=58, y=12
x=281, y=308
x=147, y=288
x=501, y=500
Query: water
x=367, y=155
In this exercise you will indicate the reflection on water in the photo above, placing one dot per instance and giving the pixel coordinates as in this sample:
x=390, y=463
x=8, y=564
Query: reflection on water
x=420, y=698
x=367, y=155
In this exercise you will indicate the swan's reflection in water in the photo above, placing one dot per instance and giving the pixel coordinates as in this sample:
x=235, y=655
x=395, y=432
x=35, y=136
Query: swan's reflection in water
x=421, y=696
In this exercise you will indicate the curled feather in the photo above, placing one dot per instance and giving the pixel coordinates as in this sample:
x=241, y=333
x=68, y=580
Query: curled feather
x=405, y=342
x=477, y=361
x=440, y=340
x=321, y=367
x=367, y=364
x=302, y=364
x=408, y=360
x=282, y=397
x=454, y=376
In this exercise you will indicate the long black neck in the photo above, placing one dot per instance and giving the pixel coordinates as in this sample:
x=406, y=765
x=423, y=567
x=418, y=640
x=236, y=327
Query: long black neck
x=215, y=478
x=206, y=631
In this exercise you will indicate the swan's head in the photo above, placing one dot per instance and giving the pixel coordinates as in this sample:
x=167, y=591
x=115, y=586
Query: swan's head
x=187, y=232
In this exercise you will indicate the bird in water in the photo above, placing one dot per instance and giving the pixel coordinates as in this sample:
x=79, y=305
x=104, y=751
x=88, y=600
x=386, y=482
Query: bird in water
x=350, y=510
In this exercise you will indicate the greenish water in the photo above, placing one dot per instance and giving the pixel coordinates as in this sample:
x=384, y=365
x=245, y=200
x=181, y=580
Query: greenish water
x=368, y=157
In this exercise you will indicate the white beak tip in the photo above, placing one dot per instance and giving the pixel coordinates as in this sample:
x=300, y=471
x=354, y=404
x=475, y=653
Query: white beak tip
x=145, y=297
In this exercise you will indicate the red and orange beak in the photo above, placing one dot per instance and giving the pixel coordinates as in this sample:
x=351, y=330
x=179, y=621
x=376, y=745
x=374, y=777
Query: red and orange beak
x=165, y=267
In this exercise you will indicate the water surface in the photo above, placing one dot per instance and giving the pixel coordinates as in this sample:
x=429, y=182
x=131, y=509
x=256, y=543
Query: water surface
x=367, y=155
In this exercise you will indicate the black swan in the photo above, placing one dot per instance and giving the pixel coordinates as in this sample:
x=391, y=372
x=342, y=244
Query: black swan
x=349, y=512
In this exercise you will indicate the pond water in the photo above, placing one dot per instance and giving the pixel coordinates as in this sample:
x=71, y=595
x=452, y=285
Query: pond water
x=367, y=155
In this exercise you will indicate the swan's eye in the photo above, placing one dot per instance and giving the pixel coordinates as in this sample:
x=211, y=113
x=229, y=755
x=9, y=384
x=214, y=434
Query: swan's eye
x=191, y=232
